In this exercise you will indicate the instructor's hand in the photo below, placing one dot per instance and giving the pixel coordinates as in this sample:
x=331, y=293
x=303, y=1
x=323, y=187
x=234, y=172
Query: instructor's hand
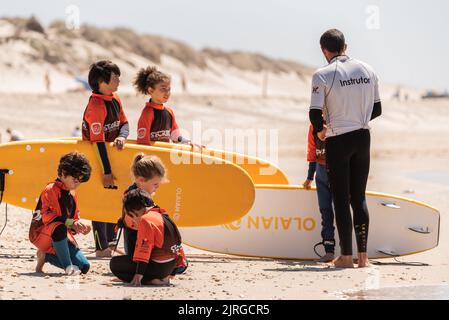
x=137, y=280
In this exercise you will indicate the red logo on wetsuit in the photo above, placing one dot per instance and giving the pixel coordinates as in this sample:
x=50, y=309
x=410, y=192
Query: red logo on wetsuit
x=144, y=243
x=141, y=133
x=96, y=128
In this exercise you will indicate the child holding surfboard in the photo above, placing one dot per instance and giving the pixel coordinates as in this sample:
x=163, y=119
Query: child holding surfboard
x=56, y=218
x=105, y=121
x=316, y=156
x=157, y=122
x=157, y=251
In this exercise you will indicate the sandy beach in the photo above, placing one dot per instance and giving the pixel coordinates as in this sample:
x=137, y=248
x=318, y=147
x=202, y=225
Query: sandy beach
x=409, y=143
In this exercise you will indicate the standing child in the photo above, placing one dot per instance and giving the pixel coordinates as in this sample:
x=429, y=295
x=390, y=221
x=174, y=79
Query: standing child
x=105, y=121
x=56, y=218
x=158, y=249
x=157, y=122
x=316, y=156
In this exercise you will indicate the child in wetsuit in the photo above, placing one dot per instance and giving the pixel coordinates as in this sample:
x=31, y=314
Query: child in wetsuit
x=105, y=121
x=157, y=122
x=56, y=218
x=157, y=251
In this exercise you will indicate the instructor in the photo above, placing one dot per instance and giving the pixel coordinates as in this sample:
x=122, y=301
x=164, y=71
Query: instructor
x=345, y=93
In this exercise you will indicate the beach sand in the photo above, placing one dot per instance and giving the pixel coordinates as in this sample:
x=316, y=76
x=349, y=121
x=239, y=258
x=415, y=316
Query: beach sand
x=409, y=138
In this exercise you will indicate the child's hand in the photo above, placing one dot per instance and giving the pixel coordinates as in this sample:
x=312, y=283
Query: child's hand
x=322, y=134
x=119, y=143
x=80, y=227
x=108, y=181
x=193, y=145
x=87, y=229
x=307, y=184
x=137, y=280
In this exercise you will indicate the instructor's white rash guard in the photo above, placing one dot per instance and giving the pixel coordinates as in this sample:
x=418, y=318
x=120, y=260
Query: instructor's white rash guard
x=345, y=91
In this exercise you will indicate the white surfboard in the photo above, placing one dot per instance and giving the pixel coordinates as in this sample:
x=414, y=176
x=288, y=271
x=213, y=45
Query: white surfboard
x=285, y=223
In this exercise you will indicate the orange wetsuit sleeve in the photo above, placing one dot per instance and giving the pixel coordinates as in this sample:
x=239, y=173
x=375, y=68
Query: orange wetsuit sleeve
x=311, y=148
x=145, y=242
x=144, y=126
x=50, y=205
x=94, y=119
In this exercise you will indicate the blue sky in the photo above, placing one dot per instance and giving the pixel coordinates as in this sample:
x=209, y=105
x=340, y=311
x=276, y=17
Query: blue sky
x=405, y=41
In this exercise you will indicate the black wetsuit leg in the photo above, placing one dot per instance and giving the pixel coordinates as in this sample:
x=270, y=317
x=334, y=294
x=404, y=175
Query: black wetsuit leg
x=348, y=160
x=124, y=268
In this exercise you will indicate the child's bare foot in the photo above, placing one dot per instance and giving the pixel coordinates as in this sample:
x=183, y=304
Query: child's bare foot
x=106, y=253
x=343, y=262
x=40, y=255
x=363, y=261
x=328, y=257
x=116, y=250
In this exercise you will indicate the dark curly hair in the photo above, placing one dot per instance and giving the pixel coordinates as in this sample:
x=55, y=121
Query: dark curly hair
x=136, y=200
x=102, y=71
x=75, y=164
x=149, y=77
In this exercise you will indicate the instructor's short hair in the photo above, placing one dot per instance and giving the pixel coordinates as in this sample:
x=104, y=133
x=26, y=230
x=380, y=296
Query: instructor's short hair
x=333, y=40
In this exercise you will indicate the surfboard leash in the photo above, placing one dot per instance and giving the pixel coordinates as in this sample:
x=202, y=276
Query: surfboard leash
x=398, y=262
x=120, y=225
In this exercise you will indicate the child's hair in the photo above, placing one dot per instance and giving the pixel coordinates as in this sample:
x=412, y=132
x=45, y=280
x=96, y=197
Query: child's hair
x=148, y=167
x=136, y=200
x=75, y=164
x=102, y=71
x=149, y=77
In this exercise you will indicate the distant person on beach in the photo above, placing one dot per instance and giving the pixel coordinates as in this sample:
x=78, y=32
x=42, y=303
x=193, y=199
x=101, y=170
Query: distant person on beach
x=105, y=121
x=47, y=81
x=346, y=92
x=77, y=132
x=157, y=122
x=157, y=252
x=14, y=135
x=55, y=220
x=397, y=94
x=316, y=156
x=184, y=83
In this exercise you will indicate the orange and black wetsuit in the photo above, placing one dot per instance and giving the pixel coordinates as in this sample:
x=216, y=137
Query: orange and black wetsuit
x=157, y=252
x=56, y=211
x=157, y=123
x=104, y=120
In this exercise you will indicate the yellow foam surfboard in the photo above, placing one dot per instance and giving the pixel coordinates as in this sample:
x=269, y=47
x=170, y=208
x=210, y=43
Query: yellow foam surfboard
x=206, y=192
x=261, y=171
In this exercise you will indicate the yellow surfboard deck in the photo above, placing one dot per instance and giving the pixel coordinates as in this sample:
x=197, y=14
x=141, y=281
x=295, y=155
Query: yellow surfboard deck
x=206, y=192
x=261, y=171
